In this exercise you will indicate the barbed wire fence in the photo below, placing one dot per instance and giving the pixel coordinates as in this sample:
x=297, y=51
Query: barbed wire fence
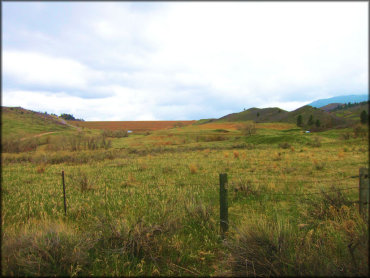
x=252, y=189
x=364, y=190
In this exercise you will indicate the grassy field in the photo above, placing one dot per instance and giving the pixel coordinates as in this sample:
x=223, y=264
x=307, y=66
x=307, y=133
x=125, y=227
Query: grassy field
x=131, y=125
x=148, y=204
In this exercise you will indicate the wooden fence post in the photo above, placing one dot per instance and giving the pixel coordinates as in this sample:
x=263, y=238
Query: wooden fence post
x=364, y=191
x=224, y=222
x=64, y=195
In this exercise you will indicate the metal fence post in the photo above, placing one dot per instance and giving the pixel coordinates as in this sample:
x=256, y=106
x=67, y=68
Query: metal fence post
x=224, y=223
x=64, y=195
x=364, y=191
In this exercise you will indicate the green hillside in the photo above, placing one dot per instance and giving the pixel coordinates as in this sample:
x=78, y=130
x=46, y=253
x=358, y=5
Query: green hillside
x=327, y=120
x=320, y=119
x=18, y=122
x=352, y=113
x=259, y=115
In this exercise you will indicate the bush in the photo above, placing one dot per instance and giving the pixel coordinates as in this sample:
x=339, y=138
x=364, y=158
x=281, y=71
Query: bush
x=78, y=142
x=345, y=136
x=284, y=145
x=359, y=131
x=16, y=145
x=247, y=129
x=115, y=133
x=316, y=143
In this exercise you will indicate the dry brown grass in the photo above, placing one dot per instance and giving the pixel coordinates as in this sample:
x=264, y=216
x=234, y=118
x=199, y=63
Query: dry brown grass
x=40, y=169
x=131, y=125
x=236, y=154
x=193, y=168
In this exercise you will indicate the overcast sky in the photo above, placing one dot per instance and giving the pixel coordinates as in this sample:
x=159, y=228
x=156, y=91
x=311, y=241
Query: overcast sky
x=180, y=61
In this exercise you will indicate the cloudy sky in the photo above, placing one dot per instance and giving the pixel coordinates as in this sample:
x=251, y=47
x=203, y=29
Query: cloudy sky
x=180, y=61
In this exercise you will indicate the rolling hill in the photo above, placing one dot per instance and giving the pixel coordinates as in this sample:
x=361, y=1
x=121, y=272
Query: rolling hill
x=341, y=118
x=20, y=122
x=352, y=113
x=258, y=115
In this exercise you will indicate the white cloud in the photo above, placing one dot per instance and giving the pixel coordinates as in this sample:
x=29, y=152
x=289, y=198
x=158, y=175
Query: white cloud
x=39, y=69
x=179, y=60
x=286, y=105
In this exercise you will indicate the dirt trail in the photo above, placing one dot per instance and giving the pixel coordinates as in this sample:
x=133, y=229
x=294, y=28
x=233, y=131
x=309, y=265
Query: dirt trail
x=38, y=135
x=65, y=123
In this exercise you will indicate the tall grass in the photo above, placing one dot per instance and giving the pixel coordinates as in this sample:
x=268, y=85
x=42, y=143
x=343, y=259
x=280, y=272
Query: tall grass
x=154, y=210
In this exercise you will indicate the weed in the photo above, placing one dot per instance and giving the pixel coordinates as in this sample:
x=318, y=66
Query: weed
x=345, y=136
x=40, y=169
x=262, y=249
x=236, y=154
x=319, y=165
x=193, y=168
x=82, y=181
x=277, y=157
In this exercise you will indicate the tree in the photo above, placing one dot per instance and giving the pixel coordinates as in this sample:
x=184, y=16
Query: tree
x=247, y=129
x=364, y=117
x=310, y=120
x=258, y=114
x=67, y=117
x=299, y=120
x=317, y=123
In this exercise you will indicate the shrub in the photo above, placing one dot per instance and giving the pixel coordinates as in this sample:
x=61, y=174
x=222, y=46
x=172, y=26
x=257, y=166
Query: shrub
x=284, y=145
x=345, y=136
x=247, y=129
x=316, y=143
x=115, y=133
x=359, y=131
x=16, y=145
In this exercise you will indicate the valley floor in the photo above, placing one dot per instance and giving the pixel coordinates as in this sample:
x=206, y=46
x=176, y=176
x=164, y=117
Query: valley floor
x=148, y=204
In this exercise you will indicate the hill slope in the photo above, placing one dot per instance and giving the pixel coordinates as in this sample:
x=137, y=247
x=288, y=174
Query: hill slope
x=326, y=119
x=258, y=115
x=352, y=113
x=20, y=122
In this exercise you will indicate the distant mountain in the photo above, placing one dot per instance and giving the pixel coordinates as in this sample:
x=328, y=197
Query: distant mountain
x=340, y=99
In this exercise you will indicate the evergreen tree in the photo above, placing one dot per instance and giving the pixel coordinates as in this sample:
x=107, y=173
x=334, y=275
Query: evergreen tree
x=364, y=117
x=317, y=123
x=310, y=120
x=299, y=120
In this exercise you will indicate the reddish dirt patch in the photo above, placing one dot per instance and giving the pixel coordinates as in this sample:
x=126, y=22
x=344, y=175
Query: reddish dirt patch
x=131, y=125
